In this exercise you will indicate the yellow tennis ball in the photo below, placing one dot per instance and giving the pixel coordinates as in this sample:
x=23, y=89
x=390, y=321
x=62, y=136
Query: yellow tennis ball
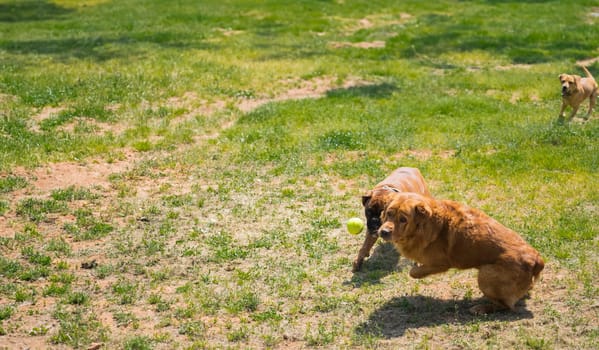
x=355, y=226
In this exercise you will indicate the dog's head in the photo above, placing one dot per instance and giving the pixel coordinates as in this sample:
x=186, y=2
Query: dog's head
x=408, y=218
x=374, y=202
x=570, y=84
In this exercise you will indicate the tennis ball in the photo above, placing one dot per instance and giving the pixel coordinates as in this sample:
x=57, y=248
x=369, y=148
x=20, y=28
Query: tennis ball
x=355, y=226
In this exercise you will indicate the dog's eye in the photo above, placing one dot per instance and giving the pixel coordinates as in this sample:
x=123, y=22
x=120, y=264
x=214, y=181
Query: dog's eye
x=403, y=220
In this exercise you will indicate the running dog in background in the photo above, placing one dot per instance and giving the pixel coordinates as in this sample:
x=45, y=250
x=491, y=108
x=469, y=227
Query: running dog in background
x=443, y=234
x=374, y=201
x=575, y=90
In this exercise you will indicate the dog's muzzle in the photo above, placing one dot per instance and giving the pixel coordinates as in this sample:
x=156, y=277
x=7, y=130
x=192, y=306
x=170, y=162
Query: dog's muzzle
x=385, y=233
x=565, y=90
x=373, y=226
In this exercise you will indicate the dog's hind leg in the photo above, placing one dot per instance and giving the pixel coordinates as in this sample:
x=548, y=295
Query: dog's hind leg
x=503, y=285
x=592, y=101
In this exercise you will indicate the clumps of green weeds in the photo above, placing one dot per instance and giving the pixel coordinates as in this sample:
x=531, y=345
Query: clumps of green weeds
x=12, y=183
x=6, y=312
x=224, y=248
x=78, y=327
x=73, y=193
x=138, y=343
x=125, y=292
x=35, y=257
x=87, y=227
x=36, y=209
x=4, y=206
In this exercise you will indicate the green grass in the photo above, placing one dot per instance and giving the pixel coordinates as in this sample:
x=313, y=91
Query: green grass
x=218, y=226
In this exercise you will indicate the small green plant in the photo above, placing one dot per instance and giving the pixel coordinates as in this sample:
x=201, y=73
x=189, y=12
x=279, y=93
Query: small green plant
x=4, y=206
x=77, y=328
x=103, y=271
x=12, y=183
x=87, y=227
x=9, y=268
x=59, y=246
x=193, y=329
x=39, y=331
x=55, y=289
x=6, y=312
x=77, y=298
x=243, y=300
x=124, y=319
x=35, y=257
x=72, y=193
x=138, y=343
x=125, y=291
x=323, y=336
x=237, y=335
x=36, y=209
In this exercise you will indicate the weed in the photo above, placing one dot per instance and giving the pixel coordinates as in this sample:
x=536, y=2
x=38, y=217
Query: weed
x=124, y=319
x=238, y=335
x=125, y=291
x=6, y=312
x=37, y=209
x=4, y=206
x=35, y=257
x=72, y=193
x=138, y=343
x=193, y=330
x=12, y=183
x=77, y=328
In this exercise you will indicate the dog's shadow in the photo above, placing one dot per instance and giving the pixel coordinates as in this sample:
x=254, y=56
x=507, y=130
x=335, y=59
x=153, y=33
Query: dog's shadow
x=402, y=313
x=383, y=261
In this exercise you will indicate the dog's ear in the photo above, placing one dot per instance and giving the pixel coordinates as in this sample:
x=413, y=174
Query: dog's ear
x=560, y=77
x=366, y=197
x=422, y=210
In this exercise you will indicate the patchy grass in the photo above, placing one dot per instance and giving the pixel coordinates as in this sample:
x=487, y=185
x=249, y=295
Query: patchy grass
x=177, y=176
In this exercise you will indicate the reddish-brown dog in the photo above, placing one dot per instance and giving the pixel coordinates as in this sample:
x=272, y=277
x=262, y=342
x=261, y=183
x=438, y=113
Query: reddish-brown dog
x=575, y=90
x=374, y=201
x=442, y=234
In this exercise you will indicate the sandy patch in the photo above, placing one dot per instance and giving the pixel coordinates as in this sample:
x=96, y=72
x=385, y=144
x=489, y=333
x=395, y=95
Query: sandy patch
x=52, y=176
x=314, y=88
x=374, y=21
x=45, y=113
x=425, y=154
x=360, y=45
x=229, y=31
x=514, y=66
x=588, y=61
x=91, y=125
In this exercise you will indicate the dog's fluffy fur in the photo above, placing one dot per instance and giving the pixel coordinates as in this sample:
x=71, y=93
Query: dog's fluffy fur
x=575, y=89
x=402, y=179
x=443, y=234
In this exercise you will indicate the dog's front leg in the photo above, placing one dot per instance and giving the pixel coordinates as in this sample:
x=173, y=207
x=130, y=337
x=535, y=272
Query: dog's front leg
x=421, y=271
x=364, y=251
x=562, y=113
x=574, y=111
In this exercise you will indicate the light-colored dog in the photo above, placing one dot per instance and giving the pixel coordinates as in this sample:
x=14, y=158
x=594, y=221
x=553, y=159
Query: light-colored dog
x=443, y=234
x=575, y=90
x=402, y=179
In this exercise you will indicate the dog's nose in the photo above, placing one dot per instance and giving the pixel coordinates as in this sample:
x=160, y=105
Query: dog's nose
x=385, y=233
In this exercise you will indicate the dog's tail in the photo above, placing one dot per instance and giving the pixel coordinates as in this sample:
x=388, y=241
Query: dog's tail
x=587, y=72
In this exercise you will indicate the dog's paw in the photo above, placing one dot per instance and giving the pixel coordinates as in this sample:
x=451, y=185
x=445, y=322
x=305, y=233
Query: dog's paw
x=357, y=265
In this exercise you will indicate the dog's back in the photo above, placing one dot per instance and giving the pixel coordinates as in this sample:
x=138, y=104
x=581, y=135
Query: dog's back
x=406, y=179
